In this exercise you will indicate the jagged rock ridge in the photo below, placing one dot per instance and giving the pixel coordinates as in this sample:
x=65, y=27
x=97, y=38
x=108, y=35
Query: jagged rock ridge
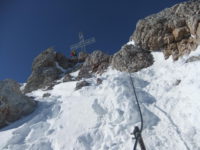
x=47, y=67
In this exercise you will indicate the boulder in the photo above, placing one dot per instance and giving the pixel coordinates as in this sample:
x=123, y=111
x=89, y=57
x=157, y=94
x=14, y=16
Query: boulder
x=131, y=59
x=97, y=61
x=47, y=67
x=68, y=78
x=99, y=81
x=13, y=104
x=175, y=30
x=46, y=95
x=81, y=84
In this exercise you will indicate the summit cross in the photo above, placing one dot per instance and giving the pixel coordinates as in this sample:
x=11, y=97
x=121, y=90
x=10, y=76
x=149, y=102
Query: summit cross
x=83, y=43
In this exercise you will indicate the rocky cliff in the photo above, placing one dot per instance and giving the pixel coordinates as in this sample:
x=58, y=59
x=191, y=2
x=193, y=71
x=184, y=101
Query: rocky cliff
x=175, y=30
x=49, y=66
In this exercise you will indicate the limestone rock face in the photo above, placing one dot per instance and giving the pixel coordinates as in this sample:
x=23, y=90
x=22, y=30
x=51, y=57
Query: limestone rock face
x=13, y=104
x=46, y=68
x=175, y=30
x=131, y=59
x=95, y=62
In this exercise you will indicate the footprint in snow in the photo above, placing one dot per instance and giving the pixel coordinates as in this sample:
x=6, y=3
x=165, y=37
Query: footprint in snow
x=98, y=109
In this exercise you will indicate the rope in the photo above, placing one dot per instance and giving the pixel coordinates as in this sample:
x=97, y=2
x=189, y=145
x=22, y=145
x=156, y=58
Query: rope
x=137, y=132
x=140, y=112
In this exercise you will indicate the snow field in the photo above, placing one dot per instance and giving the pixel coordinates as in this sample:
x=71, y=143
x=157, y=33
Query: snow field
x=101, y=117
x=95, y=117
x=177, y=105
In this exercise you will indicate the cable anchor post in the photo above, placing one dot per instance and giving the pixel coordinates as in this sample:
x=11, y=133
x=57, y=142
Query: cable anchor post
x=138, y=138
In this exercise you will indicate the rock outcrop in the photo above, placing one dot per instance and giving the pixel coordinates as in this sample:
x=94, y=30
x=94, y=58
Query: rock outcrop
x=99, y=81
x=44, y=71
x=13, y=104
x=131, y=59
x=82, y=56
x=47, y=67
x=175, y=30
x=97, y=61
x=68, y=78
x=81, y=84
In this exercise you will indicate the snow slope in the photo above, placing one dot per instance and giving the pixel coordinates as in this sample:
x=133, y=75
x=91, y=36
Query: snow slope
x=101, y=117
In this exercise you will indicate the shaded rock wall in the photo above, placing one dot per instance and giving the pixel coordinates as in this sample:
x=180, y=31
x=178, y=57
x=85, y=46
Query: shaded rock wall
x=13, y=104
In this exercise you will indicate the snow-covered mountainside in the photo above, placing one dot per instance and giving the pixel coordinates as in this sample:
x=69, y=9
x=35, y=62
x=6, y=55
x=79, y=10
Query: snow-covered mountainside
x=101, y=117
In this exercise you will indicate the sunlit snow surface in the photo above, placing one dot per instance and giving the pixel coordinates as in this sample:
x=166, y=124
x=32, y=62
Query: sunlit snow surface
x=101, y=117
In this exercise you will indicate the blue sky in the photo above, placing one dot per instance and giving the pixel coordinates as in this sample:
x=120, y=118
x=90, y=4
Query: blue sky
x=27, y=27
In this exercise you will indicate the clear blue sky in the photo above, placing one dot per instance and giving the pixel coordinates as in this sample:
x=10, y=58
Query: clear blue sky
x=27, y=27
